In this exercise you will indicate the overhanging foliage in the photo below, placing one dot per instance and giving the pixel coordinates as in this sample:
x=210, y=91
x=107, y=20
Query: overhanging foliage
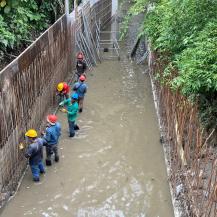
x=22, y=20
x=185, y=33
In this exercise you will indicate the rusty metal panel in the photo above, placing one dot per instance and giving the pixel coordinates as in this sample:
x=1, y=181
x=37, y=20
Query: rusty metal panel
x=27, y=89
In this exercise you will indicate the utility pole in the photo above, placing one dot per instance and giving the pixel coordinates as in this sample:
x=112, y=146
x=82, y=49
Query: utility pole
x=76, y=17
x=76, y=9
x=67, y=7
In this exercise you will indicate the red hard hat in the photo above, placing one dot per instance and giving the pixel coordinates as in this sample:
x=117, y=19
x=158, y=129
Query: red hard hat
x=65, y=85
x=52, y=119
x=80, y=56
x=82, y=78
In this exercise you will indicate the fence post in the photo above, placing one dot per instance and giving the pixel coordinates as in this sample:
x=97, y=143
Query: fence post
x=67, y=8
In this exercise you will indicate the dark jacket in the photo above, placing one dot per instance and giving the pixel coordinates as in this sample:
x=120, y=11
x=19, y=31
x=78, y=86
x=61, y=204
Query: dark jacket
x=81, y=67
x=35, y=151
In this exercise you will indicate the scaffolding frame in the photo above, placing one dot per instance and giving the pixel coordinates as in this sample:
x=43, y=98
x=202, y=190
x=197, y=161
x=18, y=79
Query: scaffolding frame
x=109, y=45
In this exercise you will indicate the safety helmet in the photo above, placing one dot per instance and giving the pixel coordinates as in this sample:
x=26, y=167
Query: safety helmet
x=74, y=96
x=64, y=85
x=80, y=56
x=60, y=87
x=52, y=119
x=31, y=133
x=82, y=78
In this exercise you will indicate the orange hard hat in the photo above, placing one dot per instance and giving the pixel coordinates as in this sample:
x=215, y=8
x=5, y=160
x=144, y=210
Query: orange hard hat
x=65, y=85
x=82, y=78
x=52, y=119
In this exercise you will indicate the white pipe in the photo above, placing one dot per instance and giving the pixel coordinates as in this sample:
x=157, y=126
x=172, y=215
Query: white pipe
x=67, y=7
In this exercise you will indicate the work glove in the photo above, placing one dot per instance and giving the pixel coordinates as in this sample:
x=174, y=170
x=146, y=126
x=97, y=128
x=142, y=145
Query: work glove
x=21, y=146
x=64, y=110
x=61, y=104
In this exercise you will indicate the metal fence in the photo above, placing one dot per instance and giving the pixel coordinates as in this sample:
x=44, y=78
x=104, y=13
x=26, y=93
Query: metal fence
x=190, y=151
x=27, y=91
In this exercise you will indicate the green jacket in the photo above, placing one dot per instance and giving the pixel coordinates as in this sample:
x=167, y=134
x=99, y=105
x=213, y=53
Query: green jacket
x=72, y=109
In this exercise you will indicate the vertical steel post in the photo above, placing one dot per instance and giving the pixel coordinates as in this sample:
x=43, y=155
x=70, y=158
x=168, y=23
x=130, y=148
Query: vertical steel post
x=67, y=7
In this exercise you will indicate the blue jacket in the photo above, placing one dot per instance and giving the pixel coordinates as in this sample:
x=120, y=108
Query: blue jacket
x=35, y=151
x=80, y=88
x=58, y=130
x=52, y=134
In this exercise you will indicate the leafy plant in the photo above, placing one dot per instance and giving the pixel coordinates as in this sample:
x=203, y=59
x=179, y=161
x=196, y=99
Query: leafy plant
x=185, y=33
x=7, y=39
x=197, y=64
x=22, y=20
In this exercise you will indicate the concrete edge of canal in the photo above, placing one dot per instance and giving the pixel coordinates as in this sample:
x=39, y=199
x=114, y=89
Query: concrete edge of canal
x=178, y=206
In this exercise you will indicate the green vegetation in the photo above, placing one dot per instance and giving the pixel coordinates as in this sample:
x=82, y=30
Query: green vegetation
x=184, y=32
x=21, y=21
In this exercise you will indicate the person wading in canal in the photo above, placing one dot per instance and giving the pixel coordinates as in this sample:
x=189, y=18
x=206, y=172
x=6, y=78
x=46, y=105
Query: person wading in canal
x=34, y=153
x=51, y=136
x=72, y=113
x=63, y=90
x=81, y=66
x=80, y=88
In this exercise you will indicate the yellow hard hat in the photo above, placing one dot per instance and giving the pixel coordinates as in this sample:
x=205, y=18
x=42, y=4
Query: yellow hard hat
x=31, y=133
x=60, y=86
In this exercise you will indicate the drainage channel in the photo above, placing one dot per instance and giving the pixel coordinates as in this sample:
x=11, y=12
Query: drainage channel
x=115, y=165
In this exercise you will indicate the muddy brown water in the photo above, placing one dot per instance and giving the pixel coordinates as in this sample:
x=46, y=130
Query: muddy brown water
x=114, y=167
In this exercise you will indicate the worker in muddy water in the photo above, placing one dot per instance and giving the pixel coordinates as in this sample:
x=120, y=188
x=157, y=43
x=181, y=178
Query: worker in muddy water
x=81, y=66
x=72, y=113
x=34, y=153
x=80, y=88
x=51, y=136
x=63, y=91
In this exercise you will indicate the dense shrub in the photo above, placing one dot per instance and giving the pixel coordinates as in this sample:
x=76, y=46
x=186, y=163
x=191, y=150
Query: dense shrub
x=22, y=20
x=185, y=33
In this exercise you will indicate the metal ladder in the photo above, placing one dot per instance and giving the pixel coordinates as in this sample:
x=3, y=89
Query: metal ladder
x=92, y=45
x=108, y=44
x=86, y=42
